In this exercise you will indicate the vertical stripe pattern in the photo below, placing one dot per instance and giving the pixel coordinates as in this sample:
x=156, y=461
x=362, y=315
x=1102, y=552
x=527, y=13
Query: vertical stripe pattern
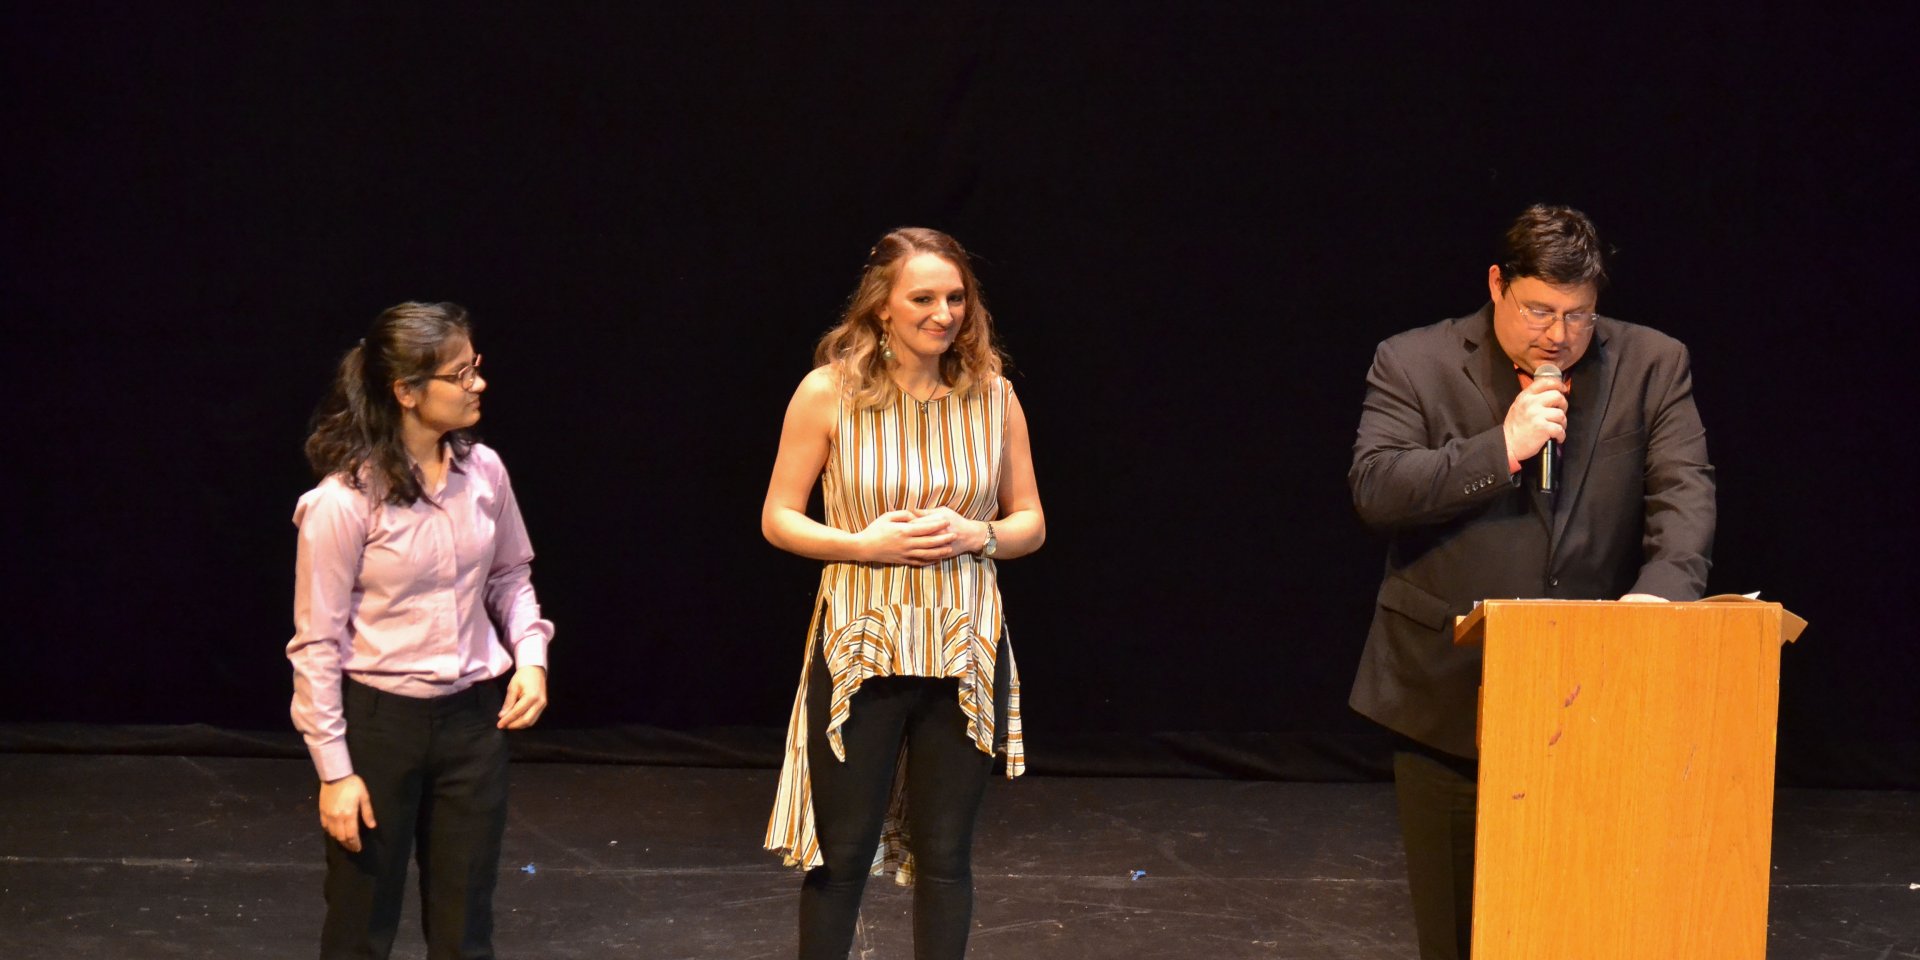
x=883, y=620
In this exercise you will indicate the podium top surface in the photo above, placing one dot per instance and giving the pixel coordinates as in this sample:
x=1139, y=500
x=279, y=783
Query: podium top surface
x=1471, y=628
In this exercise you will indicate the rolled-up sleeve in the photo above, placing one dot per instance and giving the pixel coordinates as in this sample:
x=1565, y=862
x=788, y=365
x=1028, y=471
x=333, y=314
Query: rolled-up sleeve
x=510, y=598
x=332, y=520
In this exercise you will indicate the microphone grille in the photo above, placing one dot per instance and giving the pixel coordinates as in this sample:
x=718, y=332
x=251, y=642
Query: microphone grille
x=1547, y=371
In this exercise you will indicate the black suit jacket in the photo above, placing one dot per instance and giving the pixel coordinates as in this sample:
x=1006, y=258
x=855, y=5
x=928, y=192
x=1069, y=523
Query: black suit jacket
x=1635, y=509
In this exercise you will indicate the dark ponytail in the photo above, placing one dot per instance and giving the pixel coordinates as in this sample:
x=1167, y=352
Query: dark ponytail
x=356, y=430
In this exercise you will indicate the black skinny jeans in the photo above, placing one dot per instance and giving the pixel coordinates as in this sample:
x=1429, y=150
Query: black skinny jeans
x=946, y=777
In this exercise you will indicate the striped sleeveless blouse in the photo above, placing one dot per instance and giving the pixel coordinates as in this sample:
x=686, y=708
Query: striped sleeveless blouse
x=879, y=620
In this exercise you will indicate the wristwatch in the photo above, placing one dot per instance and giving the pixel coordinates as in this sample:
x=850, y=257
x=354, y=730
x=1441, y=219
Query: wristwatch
x=993, y=543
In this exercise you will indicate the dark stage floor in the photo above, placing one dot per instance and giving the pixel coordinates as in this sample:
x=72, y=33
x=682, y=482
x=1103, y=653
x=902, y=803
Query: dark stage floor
x=121, y=857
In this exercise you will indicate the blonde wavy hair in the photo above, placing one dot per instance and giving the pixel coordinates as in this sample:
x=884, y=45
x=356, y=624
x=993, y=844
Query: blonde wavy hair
x=852, y=348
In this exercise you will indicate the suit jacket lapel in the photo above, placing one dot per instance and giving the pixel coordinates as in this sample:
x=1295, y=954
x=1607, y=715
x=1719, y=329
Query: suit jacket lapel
x=1486, y=365
x=1479, y=360
x=1592, y=388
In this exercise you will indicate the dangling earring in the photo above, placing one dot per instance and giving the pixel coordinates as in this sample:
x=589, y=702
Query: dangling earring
x=886, y=348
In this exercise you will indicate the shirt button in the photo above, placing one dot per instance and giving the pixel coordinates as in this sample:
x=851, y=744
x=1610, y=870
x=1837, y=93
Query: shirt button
x=1553, y=581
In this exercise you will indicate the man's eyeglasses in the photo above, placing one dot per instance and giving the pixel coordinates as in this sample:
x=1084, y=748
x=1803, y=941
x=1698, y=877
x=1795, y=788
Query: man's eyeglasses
x=465, y=376
x=1537, y=320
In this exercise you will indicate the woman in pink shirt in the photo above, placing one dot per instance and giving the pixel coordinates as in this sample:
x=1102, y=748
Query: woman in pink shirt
x=413, y=598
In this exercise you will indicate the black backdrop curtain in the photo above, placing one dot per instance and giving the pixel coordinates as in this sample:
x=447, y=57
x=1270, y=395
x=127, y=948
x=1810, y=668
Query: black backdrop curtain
x=1195, y=222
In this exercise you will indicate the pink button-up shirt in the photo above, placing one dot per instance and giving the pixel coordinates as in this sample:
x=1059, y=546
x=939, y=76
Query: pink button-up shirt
x=410, y=600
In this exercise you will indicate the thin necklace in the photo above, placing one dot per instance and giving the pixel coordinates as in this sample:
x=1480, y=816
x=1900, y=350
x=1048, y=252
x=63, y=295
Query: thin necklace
x=931, y=397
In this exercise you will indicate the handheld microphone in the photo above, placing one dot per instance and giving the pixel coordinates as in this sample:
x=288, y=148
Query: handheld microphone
x=1547, y=371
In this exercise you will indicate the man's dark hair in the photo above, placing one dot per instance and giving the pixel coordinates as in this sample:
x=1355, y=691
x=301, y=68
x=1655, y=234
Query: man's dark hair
x=1556, y=244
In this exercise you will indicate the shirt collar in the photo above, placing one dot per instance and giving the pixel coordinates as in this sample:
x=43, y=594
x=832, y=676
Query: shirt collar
x=454, y=466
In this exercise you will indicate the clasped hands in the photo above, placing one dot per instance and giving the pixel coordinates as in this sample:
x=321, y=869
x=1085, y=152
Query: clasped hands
x=919, y=538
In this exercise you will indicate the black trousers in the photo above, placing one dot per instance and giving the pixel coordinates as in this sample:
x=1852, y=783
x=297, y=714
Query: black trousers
x=436, y=772
x=946, y=778
x=1438, y=795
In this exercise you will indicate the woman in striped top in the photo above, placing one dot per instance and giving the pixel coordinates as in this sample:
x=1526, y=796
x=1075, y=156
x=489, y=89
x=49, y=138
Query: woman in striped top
x=908, y=685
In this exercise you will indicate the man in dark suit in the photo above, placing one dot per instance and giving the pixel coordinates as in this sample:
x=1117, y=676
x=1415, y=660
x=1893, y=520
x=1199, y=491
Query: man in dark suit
x=1447, y=463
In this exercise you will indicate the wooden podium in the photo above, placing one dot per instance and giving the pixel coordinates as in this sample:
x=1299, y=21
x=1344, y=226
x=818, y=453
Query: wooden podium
x=1626, y=777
